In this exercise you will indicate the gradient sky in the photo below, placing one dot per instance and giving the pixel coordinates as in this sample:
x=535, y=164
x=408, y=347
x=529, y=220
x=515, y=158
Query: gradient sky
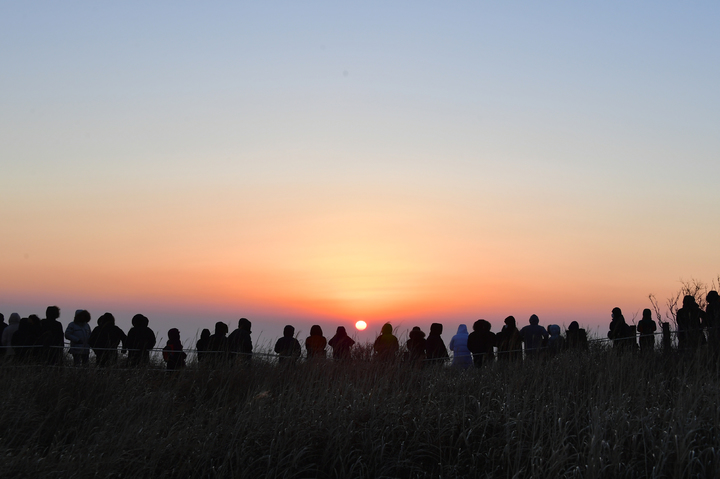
x=311, y=162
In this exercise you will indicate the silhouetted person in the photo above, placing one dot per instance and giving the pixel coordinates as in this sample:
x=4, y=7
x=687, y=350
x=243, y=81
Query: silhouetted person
x=287, y=347
x=25, y=339
x=240, y=341
x=203, y=345
x=509, y=341
x=105, y=339
x=416, y=345
x=341, y=344
x=576, y=337
x=620, y=332
x=3, y=325
x=140, y=340
x=712, y=321
x=481, y=342
x=316, y=343
x=173, y=353
x=689, y=322
x=52, y=337
x=533, y=336
x=556, y=342
x=386, y=345
x=78, y=333
x=462, y=358
x=219, y=346
x=647, y=327
x=435, y=346
x=8, y=332
x=17, y=342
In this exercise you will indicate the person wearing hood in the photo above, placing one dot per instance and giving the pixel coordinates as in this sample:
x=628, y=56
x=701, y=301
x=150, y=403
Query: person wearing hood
x=105, y=339
x=78, y=333
x=341, y=344
x=556, y=342
x=8, y=332
x=647, y=327
x=140, y=340
x=240, y=342
x=416, y=345
x=219, y=346
x=203, y=345
x=316, y=343
x=462, y=358
x=509, y=341
x=173, y=353
x=481, y=342
x=288, y=347
x=689, y=325
x=435, y=346
x=52, y=337
x=576, y=337
x=386, y=345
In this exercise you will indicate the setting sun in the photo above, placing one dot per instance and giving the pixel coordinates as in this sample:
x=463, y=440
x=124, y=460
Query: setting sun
x=360, y=325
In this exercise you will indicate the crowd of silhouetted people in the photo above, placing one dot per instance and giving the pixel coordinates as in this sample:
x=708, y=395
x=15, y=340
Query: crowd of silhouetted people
x=38, y=340
x=42, y=341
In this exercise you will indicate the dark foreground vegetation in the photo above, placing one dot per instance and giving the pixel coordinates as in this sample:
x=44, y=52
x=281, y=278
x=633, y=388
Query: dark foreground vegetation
x=585, y=414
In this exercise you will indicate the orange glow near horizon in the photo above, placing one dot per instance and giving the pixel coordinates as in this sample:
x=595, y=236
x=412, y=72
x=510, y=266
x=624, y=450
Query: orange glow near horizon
x=380, y=290
x=385, y=258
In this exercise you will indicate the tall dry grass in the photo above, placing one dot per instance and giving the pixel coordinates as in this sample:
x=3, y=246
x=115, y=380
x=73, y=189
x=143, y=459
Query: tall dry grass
x=578, y=415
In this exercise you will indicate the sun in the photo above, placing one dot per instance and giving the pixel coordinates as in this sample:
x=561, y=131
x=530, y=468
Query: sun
x=360, y=325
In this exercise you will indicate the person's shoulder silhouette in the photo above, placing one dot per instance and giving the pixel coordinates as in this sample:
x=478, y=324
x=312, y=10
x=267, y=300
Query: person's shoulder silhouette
x=481, y=342
x=52, y=336
x=218, y=344
x=386, y=345
x=105, y=339
x=3, y=325
x=288, y=347
x=533, y=335
x=576, y=337
x=203, y=345
x=173, y=353
x=435, y=346
x=647, y=327
x=416, y=344
x=316, y=343
x=140, y=340
x=25, y=338
x=240, y=342
x=341, y=344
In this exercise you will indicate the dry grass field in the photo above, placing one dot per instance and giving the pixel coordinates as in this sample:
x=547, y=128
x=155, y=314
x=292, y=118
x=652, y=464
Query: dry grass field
x=595, y=414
